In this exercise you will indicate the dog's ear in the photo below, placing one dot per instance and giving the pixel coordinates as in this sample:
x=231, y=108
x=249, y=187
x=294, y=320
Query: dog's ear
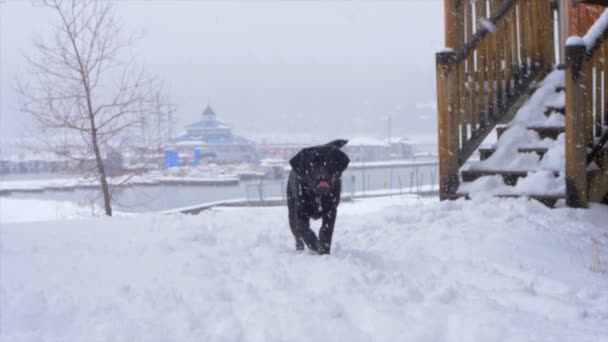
x=342, y=159
x=297, y=162
x=339, y=143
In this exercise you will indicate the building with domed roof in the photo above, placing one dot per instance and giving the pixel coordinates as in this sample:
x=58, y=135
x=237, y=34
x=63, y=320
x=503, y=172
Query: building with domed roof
x=213, y=139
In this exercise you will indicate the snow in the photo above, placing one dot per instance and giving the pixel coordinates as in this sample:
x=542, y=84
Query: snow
x=401, y=270
x=399, y=140
x=595, y=32
x=67, y=183
x=555, y=158
x=592, y=35
x=508, y=158
x=487, y=25
x=28, y=210
x=169, y=176
x=532, y=112
x=536, y=183
x=367, y=141
x=574, y=41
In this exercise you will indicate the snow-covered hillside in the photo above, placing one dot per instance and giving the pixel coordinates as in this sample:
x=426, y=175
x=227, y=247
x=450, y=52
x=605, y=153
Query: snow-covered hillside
x=27, y=210
x=401, y=270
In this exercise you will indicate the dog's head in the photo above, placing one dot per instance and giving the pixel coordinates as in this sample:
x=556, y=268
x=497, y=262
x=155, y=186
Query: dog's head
x=320, y=167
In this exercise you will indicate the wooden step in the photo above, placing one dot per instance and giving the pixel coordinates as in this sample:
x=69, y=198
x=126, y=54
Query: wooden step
x=551, y=132
x=458, y=195
x=552, y=109
x=508, y=177
x=548, y=200
x=538, y=150
x=500, y=130
x=485, y=153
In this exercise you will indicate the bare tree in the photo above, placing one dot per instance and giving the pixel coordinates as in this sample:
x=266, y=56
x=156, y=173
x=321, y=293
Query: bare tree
x=90, y=101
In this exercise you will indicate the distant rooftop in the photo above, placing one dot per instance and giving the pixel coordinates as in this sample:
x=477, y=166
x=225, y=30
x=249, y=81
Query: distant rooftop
x=208, y=124
x=209, y=131
x=209, y=121
x=366, y=141
x=232, y=139
x=208, y=111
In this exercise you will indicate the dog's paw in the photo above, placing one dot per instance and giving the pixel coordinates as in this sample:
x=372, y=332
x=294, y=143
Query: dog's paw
x=324, y=248
x=299, y=246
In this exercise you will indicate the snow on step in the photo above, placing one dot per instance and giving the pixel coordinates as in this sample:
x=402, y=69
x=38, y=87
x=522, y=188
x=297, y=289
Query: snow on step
x=532, y=113
x=536, y=183
x=507, y=155
x=400, y=270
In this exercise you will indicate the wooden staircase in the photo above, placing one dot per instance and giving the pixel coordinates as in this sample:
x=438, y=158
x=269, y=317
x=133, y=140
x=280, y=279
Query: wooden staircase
x=490, y=71
x=499, y=77
x=547, y=134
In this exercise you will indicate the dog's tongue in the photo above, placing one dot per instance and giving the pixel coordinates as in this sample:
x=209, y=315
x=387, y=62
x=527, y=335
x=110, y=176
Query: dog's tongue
x=323, y=184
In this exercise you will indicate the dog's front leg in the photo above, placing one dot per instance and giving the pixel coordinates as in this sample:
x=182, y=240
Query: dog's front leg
x=294, y=229
x=326, y=232
x=310, y=238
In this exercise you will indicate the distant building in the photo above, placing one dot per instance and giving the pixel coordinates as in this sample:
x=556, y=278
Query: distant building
x=358, y=148
x=402, y=148
x=17, y=158
x=214, y=140
x=370, y=149
x=280, y=150
x=367, y=149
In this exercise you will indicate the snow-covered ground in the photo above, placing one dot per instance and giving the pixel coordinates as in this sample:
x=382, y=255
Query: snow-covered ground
x=27, y=210
x=401, y=270
x=152, y=178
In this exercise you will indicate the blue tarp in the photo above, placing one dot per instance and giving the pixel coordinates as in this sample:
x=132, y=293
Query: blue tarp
x=196, y=161
x=171, y=159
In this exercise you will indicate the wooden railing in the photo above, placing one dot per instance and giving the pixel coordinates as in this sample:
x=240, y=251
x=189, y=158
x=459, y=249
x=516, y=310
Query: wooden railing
x=494, y=50
x=587, y=116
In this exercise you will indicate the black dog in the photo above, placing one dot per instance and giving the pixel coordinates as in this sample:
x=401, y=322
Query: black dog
x=313, y=191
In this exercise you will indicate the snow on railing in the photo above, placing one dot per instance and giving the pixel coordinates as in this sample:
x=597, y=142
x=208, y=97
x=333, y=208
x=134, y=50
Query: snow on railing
x=597, y=32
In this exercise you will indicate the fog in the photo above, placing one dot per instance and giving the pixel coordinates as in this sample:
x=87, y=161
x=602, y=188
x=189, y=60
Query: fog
x=271, y=69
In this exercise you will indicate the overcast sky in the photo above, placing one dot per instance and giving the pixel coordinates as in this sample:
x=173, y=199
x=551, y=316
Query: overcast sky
x=270, y=68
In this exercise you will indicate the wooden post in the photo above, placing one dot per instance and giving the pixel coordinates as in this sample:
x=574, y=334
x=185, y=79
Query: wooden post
x=536, y=25
x=447, y=86
x=454, y=24
x=576, y=142
x=547, y=34
x=563, y=12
